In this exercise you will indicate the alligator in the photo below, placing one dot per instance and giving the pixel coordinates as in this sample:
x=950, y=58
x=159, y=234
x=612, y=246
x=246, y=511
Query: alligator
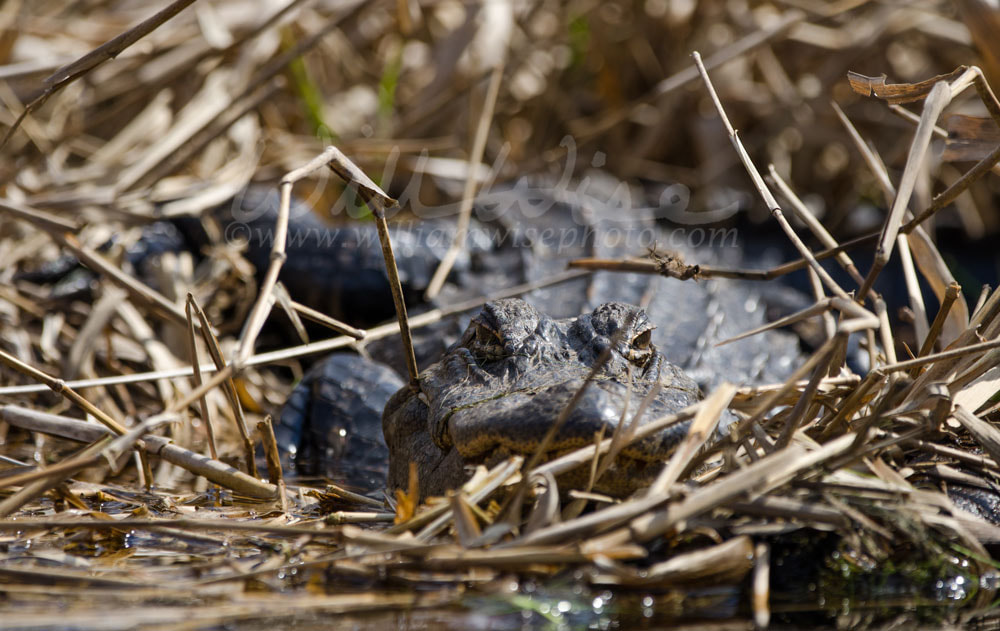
x=492, y=383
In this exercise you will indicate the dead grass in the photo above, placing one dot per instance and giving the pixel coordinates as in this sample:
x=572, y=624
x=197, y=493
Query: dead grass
x=164, y=503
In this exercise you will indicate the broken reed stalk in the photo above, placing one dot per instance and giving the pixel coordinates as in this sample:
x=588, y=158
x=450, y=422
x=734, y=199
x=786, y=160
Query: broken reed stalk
x=196, y=378
x=939, y=96
x=212, y=470
x=74, y=429
x=330, y=323
x=877, y=167
x=465, y=210
x=215, y=352
x=284, y=300
x=59, y=387
x=271, y=454
x=376, y=199
x=702, y=428
x=932, y=260
x=262, y=306
x=989, y=162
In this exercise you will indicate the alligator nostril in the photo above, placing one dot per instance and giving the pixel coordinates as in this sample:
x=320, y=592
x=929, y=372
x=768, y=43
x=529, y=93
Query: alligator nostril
x=643, y=340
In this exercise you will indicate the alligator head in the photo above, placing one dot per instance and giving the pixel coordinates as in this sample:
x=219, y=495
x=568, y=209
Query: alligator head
x=498, y=391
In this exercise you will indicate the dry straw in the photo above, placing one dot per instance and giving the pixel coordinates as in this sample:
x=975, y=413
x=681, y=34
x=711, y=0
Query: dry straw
x=867, y=457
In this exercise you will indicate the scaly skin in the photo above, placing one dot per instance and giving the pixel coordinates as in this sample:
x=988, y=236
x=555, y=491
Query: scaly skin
x=329, y=425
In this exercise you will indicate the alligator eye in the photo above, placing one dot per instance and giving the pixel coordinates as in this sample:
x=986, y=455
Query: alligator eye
x=487, y=337
x=643, y=340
